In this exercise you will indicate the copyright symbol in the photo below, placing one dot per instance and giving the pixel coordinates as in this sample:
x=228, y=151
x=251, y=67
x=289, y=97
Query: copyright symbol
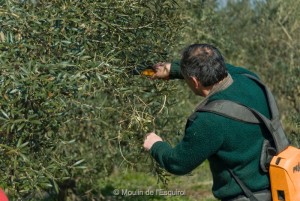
x=116, y=192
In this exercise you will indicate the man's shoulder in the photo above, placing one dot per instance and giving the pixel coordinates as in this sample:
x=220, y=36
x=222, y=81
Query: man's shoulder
x=246, y=92
x=237, y=70
x=206, y=120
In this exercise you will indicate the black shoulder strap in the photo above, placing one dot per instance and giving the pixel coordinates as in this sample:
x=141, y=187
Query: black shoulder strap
x=249, y=194
x=274, y=124
x=231, y=110
x=244, y=113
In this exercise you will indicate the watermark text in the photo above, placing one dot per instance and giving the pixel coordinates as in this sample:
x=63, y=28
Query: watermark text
x=148, y=192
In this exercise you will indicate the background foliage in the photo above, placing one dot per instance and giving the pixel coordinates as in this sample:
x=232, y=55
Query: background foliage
x=72, y=117
x=71, y=112
x=260, y=35
x=265, y=40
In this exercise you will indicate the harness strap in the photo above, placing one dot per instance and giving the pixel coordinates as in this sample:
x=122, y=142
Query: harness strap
x=245, y=189
x=244, y=113
x=231, y=110
x=274, y=125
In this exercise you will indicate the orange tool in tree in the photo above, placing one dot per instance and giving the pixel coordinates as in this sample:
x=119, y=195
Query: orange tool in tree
x=148, y=72
x=145, y=70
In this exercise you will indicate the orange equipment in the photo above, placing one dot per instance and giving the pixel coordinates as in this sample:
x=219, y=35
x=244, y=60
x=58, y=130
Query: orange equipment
x=285, y=175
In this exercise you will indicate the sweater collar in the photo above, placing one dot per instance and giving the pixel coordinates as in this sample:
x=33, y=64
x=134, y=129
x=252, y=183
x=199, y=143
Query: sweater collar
x=220, y=86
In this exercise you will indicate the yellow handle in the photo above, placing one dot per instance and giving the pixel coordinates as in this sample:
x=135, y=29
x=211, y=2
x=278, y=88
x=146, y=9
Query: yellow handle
x=148, y=72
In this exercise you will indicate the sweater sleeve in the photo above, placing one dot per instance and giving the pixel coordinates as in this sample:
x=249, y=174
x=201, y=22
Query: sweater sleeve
x=176, y=74
x=175, y=70
x=198, y=143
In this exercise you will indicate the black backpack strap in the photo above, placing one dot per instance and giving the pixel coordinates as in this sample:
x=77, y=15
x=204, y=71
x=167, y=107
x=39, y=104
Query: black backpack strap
x=231, y=110
x=244, y=113
x=245, y=189
x=273, y=125
x=271, y=100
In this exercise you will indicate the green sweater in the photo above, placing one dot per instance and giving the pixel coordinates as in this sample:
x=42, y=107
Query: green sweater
x=226, y=143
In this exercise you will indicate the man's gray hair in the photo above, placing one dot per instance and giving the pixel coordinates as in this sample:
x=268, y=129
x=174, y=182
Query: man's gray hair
x=205, y=62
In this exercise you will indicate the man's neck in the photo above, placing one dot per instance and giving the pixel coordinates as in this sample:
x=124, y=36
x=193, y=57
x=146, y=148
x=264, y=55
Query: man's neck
x=206, y=91
x=221, y=85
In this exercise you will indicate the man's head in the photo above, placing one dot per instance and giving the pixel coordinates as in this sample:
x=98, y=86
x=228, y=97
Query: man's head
x=202, y=63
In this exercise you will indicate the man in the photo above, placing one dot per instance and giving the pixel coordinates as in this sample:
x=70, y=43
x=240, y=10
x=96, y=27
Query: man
x=227, y=144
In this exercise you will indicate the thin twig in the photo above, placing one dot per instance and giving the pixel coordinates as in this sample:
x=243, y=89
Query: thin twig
x=164, y=103
x=285, y=31
x=125, y=159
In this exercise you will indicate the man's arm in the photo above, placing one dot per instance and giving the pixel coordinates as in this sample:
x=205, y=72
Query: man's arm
x=166, y=70
x=172, y=70
x=198, y=143
x=175, y=72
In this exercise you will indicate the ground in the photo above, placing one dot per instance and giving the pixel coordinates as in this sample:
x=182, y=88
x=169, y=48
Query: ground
x=135, y=185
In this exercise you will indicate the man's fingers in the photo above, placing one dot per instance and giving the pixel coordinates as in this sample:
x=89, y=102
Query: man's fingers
x=147, y=136
x=150, y=139
x=162, y=70
x=159, y=65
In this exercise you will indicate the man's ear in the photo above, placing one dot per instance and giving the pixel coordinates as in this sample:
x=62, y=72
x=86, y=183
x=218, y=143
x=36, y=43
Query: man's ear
x=195, y=82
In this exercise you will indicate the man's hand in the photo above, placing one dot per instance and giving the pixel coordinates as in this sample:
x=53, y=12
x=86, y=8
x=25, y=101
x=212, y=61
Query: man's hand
x=150, y=139
x=162, y=70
